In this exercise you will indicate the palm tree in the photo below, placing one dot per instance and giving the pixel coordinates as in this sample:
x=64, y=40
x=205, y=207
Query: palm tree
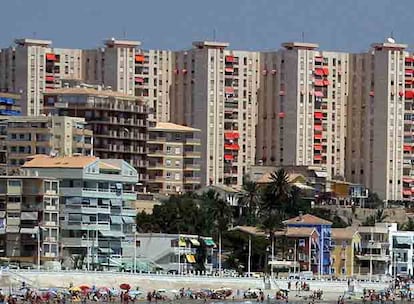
x=277, y=193
x=380, y=216
x=221, y=214
x=250, y=199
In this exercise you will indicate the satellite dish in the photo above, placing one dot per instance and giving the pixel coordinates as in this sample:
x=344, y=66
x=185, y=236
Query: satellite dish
x=391, y=40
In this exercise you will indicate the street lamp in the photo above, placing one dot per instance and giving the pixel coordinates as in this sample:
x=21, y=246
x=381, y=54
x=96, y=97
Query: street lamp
x=39, y=250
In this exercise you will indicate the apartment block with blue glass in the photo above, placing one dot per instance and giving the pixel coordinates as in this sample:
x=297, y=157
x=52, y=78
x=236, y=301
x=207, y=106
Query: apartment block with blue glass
x=324, y=228
x=97, y=221
x=10, y=104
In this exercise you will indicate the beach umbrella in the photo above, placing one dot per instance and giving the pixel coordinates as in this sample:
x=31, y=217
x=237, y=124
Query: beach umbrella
x=125, y=286
x=84, y=287
x=75, y=289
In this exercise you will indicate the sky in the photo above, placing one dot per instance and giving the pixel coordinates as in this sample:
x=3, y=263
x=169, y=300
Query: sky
x=348, y=25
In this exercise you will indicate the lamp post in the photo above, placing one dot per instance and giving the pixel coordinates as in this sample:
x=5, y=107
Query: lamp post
x=249, y=261
x=371, y=243
x=135, y=252
x=39, y=250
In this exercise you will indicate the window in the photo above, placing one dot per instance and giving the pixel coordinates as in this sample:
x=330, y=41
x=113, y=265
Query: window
x=168, y=174
x=169, y=149
x=177, y=176
x=177, y=150
x=138, y=243
x=177, y=163
x=168, y=162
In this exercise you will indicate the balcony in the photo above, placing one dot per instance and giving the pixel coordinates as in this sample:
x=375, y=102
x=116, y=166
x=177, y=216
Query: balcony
x=193, y=141
x=97, y=193
x=191, y=180
x=77, y=242
x=192, y=154
x=192, y=167
x=86, y=226
x=14, y=206
x=13, y=221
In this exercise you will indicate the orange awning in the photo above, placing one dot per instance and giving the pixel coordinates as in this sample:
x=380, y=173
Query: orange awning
x=228, y=157
x=231, y=135
x=317, y=147
x=139, y=58
x=317, y=157
x=51, y=57
x=231, y=146
x=317, y=136
x=319, y=71
x=318, y=115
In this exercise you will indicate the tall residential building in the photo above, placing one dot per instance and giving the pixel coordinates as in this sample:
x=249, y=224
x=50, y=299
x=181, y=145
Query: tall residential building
x=214, y=90
x=302, y=108
x=10, y=104
x=173, y=154
x=380, y=122
x=125, y=67
x=27, y=203
x=119, y=122
x=96, y=218
x=28, y=135
x=31, y=66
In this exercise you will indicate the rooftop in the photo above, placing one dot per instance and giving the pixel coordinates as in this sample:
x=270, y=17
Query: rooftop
x=307, y=219
x=34, y=42
x=343, y=233
x=249, y=230
x=299, y=231
x=10, y=95
x=73, y=162
x=169, y=126
x=122, y=43
x=389, y=45
x=212, y=44
x=300, y=45
x=90, y=91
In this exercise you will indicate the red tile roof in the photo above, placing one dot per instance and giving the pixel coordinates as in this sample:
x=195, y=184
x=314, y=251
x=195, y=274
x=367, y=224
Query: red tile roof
x=308, y=219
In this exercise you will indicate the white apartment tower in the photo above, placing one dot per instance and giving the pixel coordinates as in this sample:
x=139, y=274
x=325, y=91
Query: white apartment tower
x=214, y=90
x=32, y=66
x=302, y=108
x=379, y=134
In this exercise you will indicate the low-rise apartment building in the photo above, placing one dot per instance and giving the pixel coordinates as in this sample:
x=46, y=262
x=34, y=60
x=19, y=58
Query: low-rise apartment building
x=401, y=253
x=96, y=219
x=174, y=157
x=175, y=252
x=346, y=244
x=118, y=121
x=29, y=135
x=29, y=217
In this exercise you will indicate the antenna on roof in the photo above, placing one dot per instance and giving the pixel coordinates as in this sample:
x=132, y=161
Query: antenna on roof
x=303, y=36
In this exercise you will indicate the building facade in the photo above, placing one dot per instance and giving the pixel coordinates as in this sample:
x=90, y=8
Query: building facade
x=31, y=66
x=118, y=121
x=29, y=217
x=96, y=219
x=346, y=245
x=214, y=89
x=174, y=156
x=402, y=253
x=302, y=108
x=29, y=135
x=323, y=227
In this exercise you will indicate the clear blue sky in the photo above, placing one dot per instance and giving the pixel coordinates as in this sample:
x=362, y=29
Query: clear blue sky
x=173, y=24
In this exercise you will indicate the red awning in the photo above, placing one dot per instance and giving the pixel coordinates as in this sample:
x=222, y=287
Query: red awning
x=407, y=180
x=409, y=59
x=409, y=95
x=407, y=148
x=325, y=82
x=282, y=115
x=274, y=72
x=228, y=157
x=325, y=71
x=229, y=70
x=184, y=71
x=264, y=72
x=371, y=93
x=231, y=135
x=318, y=115
x=282, y=93
x=318, y=127
x=319, y=71
x=229, y=58
x=139, y=79
x=318, y=59
x=51, y=57
x=401, y=93
x=317, y=136
x=231, y=146
x=318, y=93
x=317, y=147
x=317, y=157
x=409, y=71
x=50, y=78
x=139, y=58
x=318, y=83
x=408, y=81
x=407, y=192
x=229, y=90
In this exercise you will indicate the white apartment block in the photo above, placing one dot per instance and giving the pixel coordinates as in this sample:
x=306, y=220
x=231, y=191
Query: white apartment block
x=31, y=66
x=215, y=90
x=302, y=108
x=379, y=135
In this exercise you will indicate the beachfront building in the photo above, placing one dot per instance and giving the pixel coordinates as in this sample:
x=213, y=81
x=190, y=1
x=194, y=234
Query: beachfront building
x=96, y=219
x=29, y=217
x=346, y=244
x=401, y=253
x=29, y=135
x=214, y=89
x=173, y=154
x=375, y=256
x=118, y=121
x=178, y=253
x=323, y=227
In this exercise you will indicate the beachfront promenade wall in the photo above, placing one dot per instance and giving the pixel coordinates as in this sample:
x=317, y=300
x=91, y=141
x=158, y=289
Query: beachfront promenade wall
x=153, y=281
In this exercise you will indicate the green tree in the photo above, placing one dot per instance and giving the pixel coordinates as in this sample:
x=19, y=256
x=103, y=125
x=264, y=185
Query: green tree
x=221, y=214
x=409, y=226
x=250, y=201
